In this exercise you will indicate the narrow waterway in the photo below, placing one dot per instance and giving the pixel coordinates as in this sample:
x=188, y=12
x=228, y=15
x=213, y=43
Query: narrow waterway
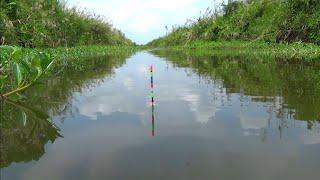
x=213, y=119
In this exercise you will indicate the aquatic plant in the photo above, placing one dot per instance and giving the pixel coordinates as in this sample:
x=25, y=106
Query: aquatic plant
x=19, y=71
x=22, y=67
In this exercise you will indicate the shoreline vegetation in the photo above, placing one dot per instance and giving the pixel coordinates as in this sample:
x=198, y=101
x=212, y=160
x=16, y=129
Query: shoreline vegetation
x=51, y=23
x=282, y=28
x=41, y=37
x=306, y=52
x=22, y=67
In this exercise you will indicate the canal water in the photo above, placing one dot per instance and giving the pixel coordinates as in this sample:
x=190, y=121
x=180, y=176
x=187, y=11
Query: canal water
x=213, y=118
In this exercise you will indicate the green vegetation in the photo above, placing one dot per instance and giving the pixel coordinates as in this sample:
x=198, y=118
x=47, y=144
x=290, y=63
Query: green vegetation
x=295, y=51
x=27, y=126
x=21, y=67
x=264, y=21
x=48, y=23
x=20, y=71
x=44, y=24
x=261, y=78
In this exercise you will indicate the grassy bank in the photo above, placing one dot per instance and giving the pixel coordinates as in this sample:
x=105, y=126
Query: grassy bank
x=20, y=68
x=294, y=51
x=49, y=23
x=45, y=37
x=271, y=21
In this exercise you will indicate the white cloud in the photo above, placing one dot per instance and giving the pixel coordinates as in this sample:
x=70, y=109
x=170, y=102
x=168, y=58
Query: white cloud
x=311, y=138
x=128, y=83
x=144, y=20
x=248, y=122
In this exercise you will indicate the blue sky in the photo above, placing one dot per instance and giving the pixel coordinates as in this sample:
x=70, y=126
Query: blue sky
x=144, y=20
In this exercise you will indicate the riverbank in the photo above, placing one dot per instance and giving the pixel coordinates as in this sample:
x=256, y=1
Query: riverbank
x=53, y=24
x=284, y=29
x=22, y=67
x=281, y=51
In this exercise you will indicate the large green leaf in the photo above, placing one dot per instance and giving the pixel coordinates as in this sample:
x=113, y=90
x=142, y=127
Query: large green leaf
x=26, y=66
x=36, y=63
x=17, y=73
x=16, y=55
x=45, y=60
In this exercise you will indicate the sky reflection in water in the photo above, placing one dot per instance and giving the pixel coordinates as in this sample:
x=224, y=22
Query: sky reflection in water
x=202, y=132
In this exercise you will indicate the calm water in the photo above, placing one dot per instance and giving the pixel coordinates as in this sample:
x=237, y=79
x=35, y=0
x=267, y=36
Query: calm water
x=214, y=118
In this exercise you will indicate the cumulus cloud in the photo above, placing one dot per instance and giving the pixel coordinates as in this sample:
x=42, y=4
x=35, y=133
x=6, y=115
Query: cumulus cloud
x=144, y=20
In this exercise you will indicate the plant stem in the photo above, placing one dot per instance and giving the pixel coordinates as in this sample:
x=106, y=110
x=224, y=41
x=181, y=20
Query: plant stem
x=16, y=90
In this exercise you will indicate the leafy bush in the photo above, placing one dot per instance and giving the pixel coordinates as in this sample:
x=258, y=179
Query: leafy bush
x=21, y=71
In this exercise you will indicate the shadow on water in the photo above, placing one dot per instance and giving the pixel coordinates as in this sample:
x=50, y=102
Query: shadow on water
x=26, y=124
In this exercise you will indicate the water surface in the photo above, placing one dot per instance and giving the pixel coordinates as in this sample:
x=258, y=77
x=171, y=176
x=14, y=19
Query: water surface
x=214, y=118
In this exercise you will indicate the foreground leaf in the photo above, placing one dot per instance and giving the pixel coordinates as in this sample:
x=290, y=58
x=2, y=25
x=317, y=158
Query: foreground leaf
x=17, y=73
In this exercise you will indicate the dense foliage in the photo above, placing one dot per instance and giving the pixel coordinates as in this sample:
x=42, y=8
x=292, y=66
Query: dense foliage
x=22, y=67
x=300, y=52
x=48, y=23
x=19, y=70
x=254, y=20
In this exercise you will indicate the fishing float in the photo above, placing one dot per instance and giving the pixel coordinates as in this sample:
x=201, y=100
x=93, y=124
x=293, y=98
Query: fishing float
x=152, y=99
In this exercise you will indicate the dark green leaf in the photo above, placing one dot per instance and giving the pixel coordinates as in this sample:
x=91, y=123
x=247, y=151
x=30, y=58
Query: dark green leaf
x=17, y=73
x=16, y=55
x=45, y=60
x=26, y=66
x=36, y=63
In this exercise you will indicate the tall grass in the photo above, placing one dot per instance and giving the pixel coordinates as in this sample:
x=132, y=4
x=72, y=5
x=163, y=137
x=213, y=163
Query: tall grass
x=251, y=20
x=49, y=23
x=303, y=52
